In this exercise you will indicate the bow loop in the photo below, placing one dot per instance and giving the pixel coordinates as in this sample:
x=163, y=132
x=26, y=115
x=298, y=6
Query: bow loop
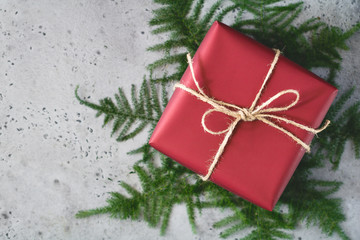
x=203, y=122
x=262, y=109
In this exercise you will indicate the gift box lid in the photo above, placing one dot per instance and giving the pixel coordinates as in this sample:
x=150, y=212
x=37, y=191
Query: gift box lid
x=258, y=160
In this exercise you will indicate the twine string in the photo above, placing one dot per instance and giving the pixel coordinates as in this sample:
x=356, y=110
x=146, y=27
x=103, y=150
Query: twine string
x=260, y=113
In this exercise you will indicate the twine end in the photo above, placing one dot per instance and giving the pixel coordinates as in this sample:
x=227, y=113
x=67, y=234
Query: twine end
x=327, y=123
x=204, y=178
x=277, y=50
x=188, y=57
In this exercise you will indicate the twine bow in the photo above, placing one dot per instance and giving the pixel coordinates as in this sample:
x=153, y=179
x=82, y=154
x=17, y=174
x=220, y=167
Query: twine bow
x=260, y=113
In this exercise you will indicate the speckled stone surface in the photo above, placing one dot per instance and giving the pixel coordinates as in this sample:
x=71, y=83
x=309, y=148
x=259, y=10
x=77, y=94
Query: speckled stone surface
x=55, y=158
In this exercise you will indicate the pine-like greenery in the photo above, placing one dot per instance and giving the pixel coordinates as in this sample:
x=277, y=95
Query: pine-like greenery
x=146, y=109
x=310, y=44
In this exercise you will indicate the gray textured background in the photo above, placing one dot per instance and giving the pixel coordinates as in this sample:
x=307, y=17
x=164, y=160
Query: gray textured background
x=55, y=158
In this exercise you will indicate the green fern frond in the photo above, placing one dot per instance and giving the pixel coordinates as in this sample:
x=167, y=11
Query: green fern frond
x=268, y=225
x=345, y=126
x=161, y=190
x=129, y=119
x=274, y=28
x=119, y=206
x=190, y=208
x=186, y=30
x=310, y=200
x=270, y=25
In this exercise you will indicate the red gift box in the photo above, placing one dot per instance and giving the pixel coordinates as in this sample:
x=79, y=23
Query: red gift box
x=259, y=160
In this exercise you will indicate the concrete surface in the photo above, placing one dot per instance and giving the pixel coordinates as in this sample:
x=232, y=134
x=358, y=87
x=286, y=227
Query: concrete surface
x=55, y=158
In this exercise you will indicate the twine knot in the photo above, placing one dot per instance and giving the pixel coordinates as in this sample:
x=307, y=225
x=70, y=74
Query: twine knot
x=246, y=115
x=254, y=112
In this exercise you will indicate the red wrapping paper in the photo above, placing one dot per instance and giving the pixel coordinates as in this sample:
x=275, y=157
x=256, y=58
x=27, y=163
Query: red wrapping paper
x=258, y=160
